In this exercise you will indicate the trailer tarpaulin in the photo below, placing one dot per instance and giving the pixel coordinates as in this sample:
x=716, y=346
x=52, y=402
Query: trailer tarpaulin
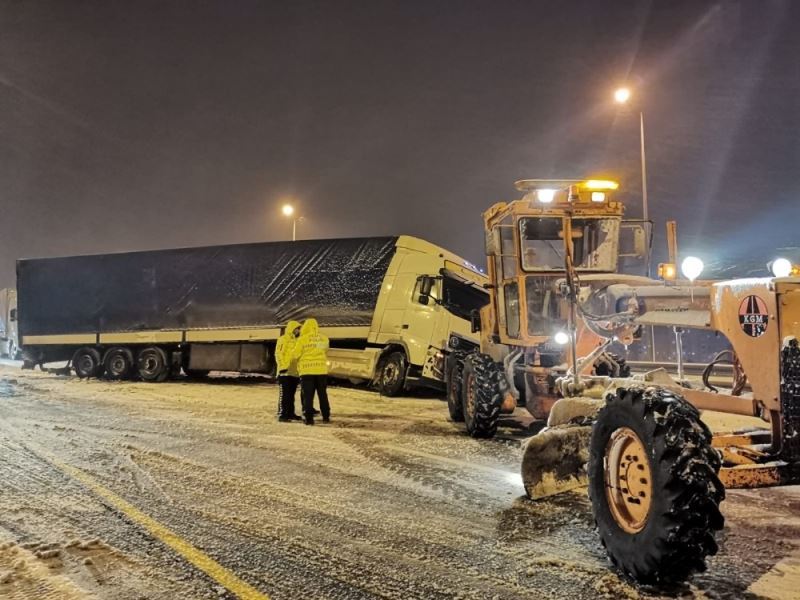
x=244, y=285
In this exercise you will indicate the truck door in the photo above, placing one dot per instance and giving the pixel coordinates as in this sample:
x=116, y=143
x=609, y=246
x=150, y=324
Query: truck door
x=421, y=317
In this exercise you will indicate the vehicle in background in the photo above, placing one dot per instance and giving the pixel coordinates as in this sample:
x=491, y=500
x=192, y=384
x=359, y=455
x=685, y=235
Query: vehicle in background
x=9, y=346
x=393, y=308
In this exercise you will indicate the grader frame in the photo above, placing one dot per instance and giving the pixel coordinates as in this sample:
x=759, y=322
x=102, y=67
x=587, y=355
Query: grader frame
x=553, y=270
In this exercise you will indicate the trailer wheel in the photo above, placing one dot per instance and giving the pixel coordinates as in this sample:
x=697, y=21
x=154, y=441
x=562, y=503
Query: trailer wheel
x=653, y=485
x=152, y=364
x=482, y=395
x=392, y=378
x=87, y=363
x=118, y=363
x=455, y=384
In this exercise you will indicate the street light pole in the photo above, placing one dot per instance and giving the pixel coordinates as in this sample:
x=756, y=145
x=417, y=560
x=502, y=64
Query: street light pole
x=644, y=170
x=288, y=211
x=621, y=96
x=645, y=212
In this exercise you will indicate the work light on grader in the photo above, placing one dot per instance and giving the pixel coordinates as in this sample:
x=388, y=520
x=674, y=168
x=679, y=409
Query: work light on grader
x=655, y=473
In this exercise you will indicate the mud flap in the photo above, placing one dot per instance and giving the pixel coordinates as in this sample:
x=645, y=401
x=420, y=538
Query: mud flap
x=554, y=461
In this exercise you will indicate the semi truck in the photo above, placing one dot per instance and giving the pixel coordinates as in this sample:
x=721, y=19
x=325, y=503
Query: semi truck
x=394, y=308
x=9, y=346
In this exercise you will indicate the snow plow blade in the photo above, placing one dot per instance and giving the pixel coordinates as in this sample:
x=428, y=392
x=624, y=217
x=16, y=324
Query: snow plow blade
x=554, y=461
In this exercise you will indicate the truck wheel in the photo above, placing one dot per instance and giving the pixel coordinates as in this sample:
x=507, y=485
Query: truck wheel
x=118, y=363
x=455, y=378
x=481, y=395
x=87, y=363
x=653, y=485
x=152, y=364
x=392, y=378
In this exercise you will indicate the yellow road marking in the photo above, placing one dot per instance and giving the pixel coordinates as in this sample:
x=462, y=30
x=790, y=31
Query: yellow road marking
x=199, y=559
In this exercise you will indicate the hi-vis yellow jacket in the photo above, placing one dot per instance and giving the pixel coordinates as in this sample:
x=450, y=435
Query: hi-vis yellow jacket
x=311, y=350
x=284, y=350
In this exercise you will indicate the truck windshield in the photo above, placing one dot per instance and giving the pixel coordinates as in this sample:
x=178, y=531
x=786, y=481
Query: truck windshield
x=594, y=242
x=460, y=298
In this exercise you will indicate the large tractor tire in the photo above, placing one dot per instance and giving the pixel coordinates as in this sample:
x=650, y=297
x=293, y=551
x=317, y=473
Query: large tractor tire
x=653, y=485
x=455, y=381
x=482, y=395
x=392, y=375
x=153, y=365
x=87, y=363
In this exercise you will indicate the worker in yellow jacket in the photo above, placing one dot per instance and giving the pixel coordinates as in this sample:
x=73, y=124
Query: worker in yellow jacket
x=311, y=353
x=288, y=379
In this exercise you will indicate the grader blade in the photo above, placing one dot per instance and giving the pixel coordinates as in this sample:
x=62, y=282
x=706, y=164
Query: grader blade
x=554, y=461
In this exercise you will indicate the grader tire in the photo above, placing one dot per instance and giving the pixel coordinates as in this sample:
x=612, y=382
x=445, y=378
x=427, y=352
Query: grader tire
x=455, y=384
x=653, y=485
x=482, y=395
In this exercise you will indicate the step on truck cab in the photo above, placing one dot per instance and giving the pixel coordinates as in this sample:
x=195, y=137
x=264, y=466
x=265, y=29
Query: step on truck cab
x=394, y=308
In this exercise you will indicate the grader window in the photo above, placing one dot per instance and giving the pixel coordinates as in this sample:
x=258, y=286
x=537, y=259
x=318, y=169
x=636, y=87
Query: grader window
x=594, y=243
x=512, y=309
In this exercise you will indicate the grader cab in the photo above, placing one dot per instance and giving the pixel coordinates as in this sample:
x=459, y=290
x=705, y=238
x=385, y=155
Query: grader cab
x=655, y=474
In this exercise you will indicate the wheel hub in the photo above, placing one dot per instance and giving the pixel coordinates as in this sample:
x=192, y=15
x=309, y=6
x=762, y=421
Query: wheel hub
x=390, y=373
x=628, y=479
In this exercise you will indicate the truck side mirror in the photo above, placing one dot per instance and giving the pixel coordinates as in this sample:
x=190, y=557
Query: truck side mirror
x=425, y=287
x=12, y=315
x=475, y=320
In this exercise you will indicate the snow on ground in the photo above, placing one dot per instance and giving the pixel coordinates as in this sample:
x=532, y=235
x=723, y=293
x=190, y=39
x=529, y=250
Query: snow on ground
x=389, y=501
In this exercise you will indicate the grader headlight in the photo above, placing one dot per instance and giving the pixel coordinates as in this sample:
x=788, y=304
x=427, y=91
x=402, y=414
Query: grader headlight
x=546, y=195
x=782, y=267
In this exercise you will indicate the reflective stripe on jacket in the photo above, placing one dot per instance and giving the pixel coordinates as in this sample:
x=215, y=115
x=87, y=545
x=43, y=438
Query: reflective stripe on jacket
x=311, y=350
x=284, y=350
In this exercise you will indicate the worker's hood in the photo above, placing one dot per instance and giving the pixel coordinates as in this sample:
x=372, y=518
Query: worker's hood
x=310, y=327
x=291, y=326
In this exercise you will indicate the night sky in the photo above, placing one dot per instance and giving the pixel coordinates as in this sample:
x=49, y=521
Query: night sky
x=139, y=125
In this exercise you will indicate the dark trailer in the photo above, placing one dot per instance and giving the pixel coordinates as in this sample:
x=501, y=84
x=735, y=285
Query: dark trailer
x=218, y=308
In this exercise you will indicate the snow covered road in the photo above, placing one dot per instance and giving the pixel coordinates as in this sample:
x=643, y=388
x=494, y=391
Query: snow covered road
x=193, y=490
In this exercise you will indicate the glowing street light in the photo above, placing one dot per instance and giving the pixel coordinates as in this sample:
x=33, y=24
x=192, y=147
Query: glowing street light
x=288, y=211
x=622, y=95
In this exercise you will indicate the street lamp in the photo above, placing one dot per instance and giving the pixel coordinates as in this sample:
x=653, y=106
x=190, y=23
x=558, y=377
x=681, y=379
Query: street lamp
x=288, y=211
x=621, y=96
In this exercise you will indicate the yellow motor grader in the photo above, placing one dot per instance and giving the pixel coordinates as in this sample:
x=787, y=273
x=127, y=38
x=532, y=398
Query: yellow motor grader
x=655, y=473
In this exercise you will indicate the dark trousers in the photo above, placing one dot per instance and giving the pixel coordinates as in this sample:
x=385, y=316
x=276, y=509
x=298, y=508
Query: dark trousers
x=287, y=389
x=319, y=384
